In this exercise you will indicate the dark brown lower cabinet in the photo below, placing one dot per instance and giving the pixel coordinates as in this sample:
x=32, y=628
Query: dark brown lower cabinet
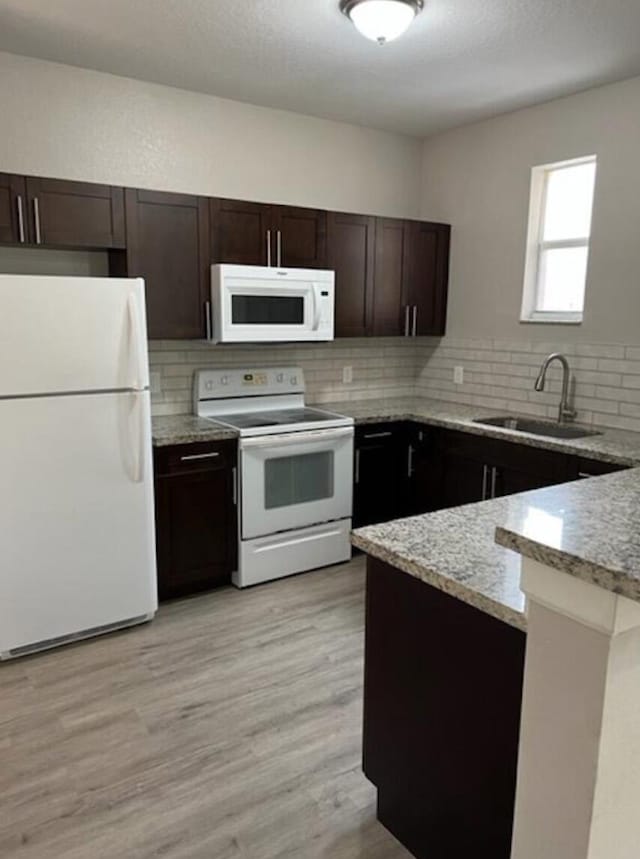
x=196, y=516
x=380, y=473
x=405, y=469
x=442, y=700
x=469, y=468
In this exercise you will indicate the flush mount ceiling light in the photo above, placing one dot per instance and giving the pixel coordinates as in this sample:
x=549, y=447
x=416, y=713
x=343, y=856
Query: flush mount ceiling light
x=381, y=20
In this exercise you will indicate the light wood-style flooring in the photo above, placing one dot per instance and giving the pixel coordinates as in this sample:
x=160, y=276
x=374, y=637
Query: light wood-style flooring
x=229, y=728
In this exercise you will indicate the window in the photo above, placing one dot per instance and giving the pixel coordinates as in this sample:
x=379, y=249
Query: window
x=558, y=241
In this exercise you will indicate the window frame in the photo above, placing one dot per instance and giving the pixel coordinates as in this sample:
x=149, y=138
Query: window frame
x=536, y=245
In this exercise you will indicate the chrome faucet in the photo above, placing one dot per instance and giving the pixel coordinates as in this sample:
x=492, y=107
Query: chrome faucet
x=565, y=412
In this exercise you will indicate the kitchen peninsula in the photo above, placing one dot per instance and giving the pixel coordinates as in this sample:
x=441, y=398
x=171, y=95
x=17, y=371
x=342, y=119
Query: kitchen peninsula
x=448, y=733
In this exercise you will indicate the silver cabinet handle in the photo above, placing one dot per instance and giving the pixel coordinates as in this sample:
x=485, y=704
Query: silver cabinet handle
x=414, y=327
x=234, y=479
x=36, y=220
x=269, y=248
x=279, y=248
x=207, y=320
x=485, y=480
x=195, y=456
x=410, y=462
x=494, y=478
x=377, y=435
x=357, y=468
x=21, y=235
x=407, y=310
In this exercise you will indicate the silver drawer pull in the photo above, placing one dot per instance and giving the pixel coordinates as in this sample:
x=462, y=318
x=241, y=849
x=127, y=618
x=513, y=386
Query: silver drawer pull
x=21, y=235
x=485, y=477
x=195, y=456
x=36, y=220
x=377, y=435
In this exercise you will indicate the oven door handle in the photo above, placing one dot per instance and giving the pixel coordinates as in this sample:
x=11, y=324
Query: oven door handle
x=294, y=438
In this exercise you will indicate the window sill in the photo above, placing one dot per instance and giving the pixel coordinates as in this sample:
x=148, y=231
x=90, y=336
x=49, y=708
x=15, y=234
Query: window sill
x=553, y=319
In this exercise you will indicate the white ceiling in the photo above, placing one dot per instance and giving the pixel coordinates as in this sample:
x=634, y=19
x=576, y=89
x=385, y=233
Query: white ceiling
x=460, y=61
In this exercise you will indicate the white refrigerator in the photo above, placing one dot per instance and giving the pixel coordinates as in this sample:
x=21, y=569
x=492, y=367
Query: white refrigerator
x=77, y=547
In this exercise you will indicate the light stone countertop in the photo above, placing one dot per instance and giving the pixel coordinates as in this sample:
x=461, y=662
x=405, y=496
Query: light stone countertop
x=616, y=446
x=589, y=529
x=454, y=550
x=186, y=429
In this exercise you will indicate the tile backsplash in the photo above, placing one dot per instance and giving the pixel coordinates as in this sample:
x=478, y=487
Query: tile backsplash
x=380, y=366
x=498, y=374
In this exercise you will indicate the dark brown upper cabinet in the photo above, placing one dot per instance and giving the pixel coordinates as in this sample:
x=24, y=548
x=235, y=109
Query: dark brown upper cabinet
x=350, y=253
x=168, y=246
x=74, y=214
x=388, y=318
x=241, y=233
x=256, y=234
x=426, y=277
x=13, y=201
x=300, y=237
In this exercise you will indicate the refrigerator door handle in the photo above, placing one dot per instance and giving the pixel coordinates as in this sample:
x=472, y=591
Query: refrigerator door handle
x=138, y=438
x=137, y=344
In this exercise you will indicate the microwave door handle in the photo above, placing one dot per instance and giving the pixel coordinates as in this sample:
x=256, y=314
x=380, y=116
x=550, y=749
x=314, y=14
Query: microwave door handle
x=316, y=308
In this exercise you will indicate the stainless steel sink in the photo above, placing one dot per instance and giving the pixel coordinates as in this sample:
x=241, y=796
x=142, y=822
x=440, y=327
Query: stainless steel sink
x=534, y=427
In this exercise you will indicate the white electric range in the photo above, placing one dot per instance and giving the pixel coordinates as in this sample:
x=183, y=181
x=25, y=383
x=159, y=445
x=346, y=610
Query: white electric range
x=295, y=471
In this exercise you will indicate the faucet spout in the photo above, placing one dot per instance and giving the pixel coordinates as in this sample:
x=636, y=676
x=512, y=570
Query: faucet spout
x=565, y=412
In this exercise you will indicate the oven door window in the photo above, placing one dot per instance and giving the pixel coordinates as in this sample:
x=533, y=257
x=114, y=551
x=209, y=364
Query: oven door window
x=267, y=309
x=291, y=480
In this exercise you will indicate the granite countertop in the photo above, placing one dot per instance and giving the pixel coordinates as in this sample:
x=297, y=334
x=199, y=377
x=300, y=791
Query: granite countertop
x=589, y=529
x=186, y=429
x=454, y=550
x=616, y=446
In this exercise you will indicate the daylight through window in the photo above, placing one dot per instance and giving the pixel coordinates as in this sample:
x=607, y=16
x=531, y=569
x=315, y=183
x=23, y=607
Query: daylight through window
x=558, y=241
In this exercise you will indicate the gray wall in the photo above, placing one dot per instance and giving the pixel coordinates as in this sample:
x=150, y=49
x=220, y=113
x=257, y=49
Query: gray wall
x=477, y=178
x=77, y=124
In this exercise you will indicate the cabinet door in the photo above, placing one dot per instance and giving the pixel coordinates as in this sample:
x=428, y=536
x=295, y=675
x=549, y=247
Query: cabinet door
x=423, y=471
x=519, y=468
x=241, y=233
x=195, y=521
x=75, y=214
x=388, y=316
x=13, y=225
x=461, y=469
x=167, y=245
x=350, y=253
x=380, y=466
x=426, y=276
x=300, y=237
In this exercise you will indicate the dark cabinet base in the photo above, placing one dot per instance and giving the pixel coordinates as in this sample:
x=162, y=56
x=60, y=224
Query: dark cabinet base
x=443, y=690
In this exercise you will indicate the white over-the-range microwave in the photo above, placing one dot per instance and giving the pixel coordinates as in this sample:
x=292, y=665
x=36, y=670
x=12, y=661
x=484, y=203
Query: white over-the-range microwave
x=253, y=304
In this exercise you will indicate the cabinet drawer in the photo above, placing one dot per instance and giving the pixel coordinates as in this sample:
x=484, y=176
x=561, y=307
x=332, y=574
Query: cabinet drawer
x=199, y=456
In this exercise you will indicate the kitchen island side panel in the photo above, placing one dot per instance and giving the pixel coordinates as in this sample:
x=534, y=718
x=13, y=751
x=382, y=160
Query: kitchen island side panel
x=442, y=701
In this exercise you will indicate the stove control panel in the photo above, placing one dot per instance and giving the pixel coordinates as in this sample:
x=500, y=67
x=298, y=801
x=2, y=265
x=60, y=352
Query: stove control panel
x=227, y=383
